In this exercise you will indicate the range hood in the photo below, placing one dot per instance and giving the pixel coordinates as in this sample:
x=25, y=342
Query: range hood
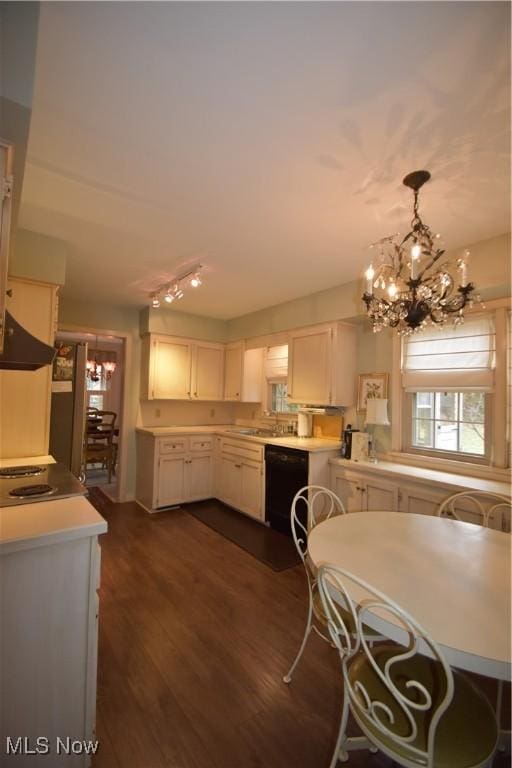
x=22, y=351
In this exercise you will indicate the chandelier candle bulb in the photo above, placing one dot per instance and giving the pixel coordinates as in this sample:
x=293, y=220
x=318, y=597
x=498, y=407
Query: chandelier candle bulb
x=370, y=273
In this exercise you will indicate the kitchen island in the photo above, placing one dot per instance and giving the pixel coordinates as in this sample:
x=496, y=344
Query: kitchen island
x=49, y=576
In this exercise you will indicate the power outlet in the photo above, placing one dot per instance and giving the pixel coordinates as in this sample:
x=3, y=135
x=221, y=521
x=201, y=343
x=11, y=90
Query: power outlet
x=212, y=412
x=157, y=413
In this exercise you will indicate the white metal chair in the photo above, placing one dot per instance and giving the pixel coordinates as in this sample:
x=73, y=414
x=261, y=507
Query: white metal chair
x=311, y=505
x=492, y=510
x=404, y=697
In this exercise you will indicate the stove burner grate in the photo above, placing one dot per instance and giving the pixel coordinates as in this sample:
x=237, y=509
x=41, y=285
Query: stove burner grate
x=26, y=491
x=14, y=472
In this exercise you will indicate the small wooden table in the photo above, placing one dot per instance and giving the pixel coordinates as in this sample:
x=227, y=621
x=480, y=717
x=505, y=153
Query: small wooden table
x=453, y=577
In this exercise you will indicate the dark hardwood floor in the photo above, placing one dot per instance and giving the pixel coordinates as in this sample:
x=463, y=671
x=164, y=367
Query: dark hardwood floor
x=195, y=636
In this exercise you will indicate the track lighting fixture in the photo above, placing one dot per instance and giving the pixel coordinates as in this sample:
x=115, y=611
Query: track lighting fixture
x=173, y=290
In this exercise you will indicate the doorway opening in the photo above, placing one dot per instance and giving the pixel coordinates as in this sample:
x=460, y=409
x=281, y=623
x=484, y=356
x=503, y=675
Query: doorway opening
x=97, y=412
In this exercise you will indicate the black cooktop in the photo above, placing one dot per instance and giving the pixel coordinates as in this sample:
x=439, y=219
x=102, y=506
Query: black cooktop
x=36, y=489
x=26, y=471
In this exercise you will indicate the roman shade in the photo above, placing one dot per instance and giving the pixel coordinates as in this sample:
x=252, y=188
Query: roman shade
x=451, y=358
x=276, y=362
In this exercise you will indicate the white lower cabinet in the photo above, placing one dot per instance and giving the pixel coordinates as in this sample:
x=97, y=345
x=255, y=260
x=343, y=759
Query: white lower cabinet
x=360, y=493
x=49, y=616
x=173, y=470
x=402, y=488
x=241, y=473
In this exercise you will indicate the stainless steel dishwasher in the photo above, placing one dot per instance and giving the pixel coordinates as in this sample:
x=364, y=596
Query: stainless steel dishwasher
x=286, y=472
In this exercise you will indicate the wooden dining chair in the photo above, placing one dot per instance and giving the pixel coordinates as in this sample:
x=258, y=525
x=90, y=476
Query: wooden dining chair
x=100, y=446
x=492, y=510
x=403, y=695
x=312, y=505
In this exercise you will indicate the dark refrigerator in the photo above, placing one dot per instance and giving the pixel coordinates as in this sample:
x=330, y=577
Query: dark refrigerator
x=68, y=405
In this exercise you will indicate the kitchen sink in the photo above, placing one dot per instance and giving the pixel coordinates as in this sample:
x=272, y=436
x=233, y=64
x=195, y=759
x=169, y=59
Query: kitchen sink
x=257, y=432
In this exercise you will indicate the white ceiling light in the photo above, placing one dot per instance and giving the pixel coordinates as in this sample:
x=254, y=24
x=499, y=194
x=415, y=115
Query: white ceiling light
x=174, y=289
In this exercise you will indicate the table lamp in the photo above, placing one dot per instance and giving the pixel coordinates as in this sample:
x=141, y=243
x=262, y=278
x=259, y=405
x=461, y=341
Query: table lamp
x=376, y=414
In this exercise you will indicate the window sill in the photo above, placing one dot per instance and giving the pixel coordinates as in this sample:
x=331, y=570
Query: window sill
x=465, y=468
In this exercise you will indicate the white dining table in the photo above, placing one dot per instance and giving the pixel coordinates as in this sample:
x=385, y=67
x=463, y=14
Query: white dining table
x=452, y=577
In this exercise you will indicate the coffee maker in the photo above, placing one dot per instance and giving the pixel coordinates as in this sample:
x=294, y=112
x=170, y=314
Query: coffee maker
x=346, y=442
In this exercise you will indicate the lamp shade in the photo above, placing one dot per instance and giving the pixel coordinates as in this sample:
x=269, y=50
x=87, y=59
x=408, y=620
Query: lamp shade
x=377, y=411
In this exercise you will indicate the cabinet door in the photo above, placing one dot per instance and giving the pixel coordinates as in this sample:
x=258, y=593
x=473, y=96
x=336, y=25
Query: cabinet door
x=309, y=367
x=252, y=376
x=233, y=372
x=252, y=489
x=171, y=480
x=230, y=480
x=198, y=477
x=208, y=372
x=419, y=501
x=171, y=367
x=349, y=490
x=379, y=496
x=25, y=396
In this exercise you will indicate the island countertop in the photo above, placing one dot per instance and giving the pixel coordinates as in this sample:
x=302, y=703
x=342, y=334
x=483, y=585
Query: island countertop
x=25, y=526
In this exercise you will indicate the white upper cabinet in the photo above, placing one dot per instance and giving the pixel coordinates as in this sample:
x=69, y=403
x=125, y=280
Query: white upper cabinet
x=233, y=371
x=243, y=375
x=207, y=371
x=321, y=365
x=25, y=395
x=172, y=369
x=181, y=369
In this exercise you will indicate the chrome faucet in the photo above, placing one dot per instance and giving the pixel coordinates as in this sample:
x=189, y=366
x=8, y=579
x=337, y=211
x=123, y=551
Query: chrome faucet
x=276, y=429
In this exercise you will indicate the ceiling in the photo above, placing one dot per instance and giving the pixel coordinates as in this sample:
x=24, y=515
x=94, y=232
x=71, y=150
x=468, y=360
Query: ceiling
x=267, y=141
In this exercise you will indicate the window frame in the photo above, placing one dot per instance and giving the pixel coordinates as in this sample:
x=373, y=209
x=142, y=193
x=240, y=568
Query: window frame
x=268, y=395
x=473, y=458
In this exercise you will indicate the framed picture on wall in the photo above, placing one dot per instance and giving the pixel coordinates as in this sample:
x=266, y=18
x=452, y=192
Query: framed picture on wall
x=371, y=385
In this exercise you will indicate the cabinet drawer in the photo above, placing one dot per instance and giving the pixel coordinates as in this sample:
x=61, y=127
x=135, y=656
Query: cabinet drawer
x=243, y=448
x=201, y=443
x=172, y=445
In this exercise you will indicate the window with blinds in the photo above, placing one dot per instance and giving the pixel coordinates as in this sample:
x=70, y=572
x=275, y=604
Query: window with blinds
x=276, y=374
x=448, y=375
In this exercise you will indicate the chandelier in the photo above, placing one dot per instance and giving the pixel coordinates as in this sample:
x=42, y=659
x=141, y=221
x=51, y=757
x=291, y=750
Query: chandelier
x=408, y=287
x=173, y=290
x=95, y=369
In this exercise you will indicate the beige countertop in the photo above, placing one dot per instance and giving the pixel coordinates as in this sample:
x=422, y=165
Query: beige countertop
x=26, y=460
x=310, y=444
x=25, y=526
x=419, y=474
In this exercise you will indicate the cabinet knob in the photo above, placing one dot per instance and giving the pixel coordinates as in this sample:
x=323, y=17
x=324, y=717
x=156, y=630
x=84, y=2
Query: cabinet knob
x=195, y=394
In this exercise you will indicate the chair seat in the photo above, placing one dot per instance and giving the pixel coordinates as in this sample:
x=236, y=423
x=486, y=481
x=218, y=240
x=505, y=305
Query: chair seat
x=467, y=733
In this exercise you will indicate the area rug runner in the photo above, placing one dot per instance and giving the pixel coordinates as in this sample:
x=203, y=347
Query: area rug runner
x=270, y=547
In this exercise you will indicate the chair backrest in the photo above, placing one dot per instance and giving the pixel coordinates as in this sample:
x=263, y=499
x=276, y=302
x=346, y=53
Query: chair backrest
x=389, y=685
x=310, y=506
x=492, y=510
x=108, y=418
